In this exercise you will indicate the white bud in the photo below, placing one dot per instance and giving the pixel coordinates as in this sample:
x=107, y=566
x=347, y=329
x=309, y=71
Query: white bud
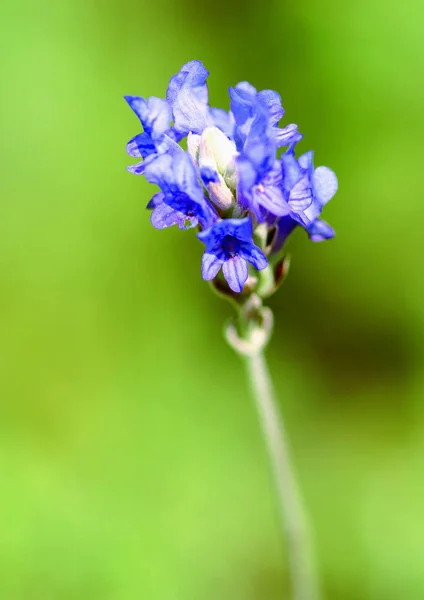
x=217, y=152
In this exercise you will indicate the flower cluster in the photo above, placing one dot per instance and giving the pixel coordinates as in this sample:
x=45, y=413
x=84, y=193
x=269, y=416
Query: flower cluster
x=233, y=183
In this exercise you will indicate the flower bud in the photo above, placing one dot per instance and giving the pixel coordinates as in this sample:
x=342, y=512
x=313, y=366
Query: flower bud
x=216, y=157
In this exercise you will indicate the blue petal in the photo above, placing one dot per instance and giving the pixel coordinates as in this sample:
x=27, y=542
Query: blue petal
x=159, y=172
x=319, y=231
x=241, y=229
x=285, y=226
x=254, y=255
x=138, y=168
x=306, y=161
x=261, y=153
x=325, y=184
x=272, y=199
x=235, y=272
x=246, y=173
x=242, y=102
x=209, y=175
x=169, y=145
x=141, y=145
x=164, y=216
x=291, y=171
x=185, y=177
x=223, y=120
x=301, y=195
x=154, y=114
x=287, y=136
x=243, y=106
x=155, y=201
x=272, y=101
x=211, y=264
x=137, y=104
x=188, y=97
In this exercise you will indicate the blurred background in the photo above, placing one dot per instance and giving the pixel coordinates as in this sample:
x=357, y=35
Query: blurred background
x=131, y=460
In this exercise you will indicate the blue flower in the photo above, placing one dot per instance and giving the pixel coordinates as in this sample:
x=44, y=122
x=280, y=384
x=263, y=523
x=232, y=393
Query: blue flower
x=187, y=95
x=247, y=106
x=259, y=187
x=155, y=116
x=257, y=137
x=307, y=190
x=181, y=192
x=229, y=245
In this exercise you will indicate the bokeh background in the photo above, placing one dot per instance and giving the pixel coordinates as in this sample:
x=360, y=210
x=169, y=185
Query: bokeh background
x=131, y=462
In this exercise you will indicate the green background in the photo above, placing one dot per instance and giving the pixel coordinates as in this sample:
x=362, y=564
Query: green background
x=131, y=462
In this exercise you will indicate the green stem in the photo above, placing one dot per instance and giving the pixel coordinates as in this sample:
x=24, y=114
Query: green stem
x=292, y=515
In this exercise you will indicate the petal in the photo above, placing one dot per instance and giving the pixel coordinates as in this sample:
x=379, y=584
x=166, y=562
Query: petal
x=285, y=226
x=185, y=177
x=306, y=161
x=141, y=145
x=291, y=171
x=254, y=255
x=211, y=264
x=247, y=176
x=192, y=74
x=207, y=215
x=300, y=199
x=137, y=104
x=272, y=199
x=156, y=200
x=272, y=101
x=242, y=102
x=238, y=228
x=288, y=135
x=319, y=231
x=325, y=184
x=157, y=116
x=138, y=168
x=154, y=114
x=159, y=171
x=223, y=120
x=261, y=153
x=164, y=216
x=187, y=95
x=169, y=145
x=209, y=175
x=235, y=272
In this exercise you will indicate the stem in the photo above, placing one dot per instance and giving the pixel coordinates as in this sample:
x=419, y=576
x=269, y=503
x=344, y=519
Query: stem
x=293, y=519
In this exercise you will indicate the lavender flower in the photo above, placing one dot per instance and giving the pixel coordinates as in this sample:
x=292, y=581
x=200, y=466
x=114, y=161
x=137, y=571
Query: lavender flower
x=230, y=183
x=229, y=245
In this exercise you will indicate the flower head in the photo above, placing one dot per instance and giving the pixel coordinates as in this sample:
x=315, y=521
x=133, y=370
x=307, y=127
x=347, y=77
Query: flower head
x=231, y=182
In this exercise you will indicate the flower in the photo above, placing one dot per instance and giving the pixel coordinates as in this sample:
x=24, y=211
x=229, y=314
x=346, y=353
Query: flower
x=155, y=116
x=230, y=183
x=187, y=96
x=258, y=137
x=307, y=190
x=182, y=200
x=229, y=245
